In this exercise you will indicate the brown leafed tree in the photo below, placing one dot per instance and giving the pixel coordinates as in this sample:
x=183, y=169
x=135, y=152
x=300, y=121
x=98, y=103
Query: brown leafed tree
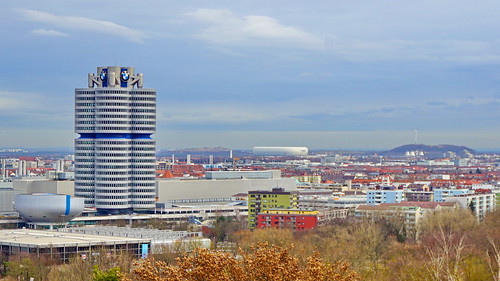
x=262, y=262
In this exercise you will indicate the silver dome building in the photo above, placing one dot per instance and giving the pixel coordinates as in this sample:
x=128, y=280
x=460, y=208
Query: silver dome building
x=48, y=208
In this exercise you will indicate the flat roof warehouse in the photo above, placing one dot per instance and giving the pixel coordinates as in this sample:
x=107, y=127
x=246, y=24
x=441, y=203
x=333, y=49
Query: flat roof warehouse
x=64, y=246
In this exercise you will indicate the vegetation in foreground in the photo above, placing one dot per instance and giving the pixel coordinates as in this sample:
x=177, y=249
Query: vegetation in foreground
x=451, y=246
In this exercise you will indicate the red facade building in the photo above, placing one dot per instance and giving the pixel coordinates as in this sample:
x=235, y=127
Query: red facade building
x=295, y=219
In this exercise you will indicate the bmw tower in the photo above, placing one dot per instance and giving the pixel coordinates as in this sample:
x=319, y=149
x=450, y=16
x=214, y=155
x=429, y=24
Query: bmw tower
x=115, y=160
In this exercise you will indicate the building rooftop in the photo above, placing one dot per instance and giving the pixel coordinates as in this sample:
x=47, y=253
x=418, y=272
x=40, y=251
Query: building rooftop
x=43, y=238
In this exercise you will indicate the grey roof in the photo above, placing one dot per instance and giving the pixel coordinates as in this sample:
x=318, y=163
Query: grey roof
x=43, y=238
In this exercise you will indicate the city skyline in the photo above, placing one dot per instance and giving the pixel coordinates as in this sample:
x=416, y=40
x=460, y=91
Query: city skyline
x=336, y=75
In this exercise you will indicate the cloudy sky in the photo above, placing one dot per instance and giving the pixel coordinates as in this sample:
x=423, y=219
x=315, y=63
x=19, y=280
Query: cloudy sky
x=323, y=74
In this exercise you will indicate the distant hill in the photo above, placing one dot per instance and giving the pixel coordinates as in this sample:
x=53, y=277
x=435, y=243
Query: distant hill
x=430, y=150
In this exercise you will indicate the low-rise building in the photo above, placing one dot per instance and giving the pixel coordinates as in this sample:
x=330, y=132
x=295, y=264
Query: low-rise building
x=406, y=217
x=379, y=196
x=441, y=194
x=478, y=203
x=295, y=219
x=407, y=214
x=419, y=196
x=160, y=239
x=67, y=246
x=260, y=200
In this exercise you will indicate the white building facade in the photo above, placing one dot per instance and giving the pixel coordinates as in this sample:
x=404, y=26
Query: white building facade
x=115, y=155
x=479, y=203
x=379, y=196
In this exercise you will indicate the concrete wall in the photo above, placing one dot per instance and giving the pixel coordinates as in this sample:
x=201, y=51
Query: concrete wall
x=198, y=189
x=7, y=197
x=45, y=186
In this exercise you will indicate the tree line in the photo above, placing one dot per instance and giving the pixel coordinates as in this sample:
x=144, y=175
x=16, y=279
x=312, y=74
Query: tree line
x=452, y=245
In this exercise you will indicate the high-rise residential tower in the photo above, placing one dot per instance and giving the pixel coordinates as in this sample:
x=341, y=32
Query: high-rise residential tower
x=115, y=156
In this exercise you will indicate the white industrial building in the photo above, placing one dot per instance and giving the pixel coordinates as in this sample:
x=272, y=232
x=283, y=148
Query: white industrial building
x=174, y=191
x=7, y=197
x=218, y=175
x=280, y=151
x=171, y=191
x=44, y=185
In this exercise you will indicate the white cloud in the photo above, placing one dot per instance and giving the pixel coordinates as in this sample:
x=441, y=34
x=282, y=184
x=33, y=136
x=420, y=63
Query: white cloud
x=227, y=114
x=31, y=104
x=85, y=24
x=226, y=28
x=49, y=32
x=427, y=50
x=305, y=74
x=308, y=74
x=14, y=102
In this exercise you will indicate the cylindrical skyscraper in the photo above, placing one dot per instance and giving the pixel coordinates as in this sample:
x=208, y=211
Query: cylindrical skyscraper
x=115, y=154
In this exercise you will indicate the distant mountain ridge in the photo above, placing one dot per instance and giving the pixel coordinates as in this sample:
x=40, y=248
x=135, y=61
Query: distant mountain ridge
x=429, y=150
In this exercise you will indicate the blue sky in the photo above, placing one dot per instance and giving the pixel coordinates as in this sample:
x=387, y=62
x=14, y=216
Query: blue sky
x=322, y=74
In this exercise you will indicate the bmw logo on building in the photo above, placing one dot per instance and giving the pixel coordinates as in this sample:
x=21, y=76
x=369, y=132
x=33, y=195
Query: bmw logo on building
x=125, y=75
x=103, y=75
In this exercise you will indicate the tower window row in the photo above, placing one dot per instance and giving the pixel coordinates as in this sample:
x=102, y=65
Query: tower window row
x=82, y=92
x=85, y=116
x=84, y=154
x=112, y=116
x=131, y=115
x=119, y=122
x=113, y=191
x=85, y=160
x=112, y=92
x=85, y=148
x=144, y=184
x=143, y=160
x=113, y=167
x=113, y=203
x=111, y=184
x=113, y=110
x=111, y=197
x=84, y=166
x=112, y=161
x=85, y=128
x=83, y=184
x=85, y=142
x=113, y=179
x=104, y=98
x=121, y=148
x=112, y=98
x=121, y=154
x=118, y=128
x=143, y=91
x=144, y=190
